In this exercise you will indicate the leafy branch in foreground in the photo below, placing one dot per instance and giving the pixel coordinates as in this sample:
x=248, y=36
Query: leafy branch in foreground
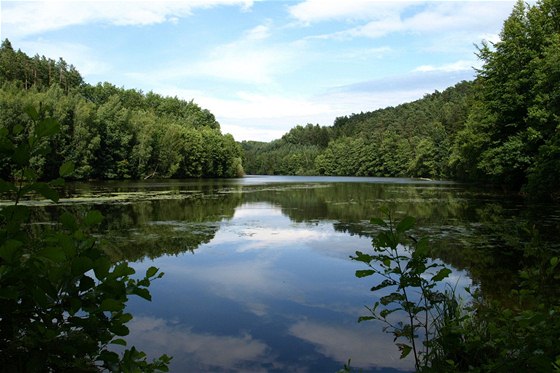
x=428, y=319
x=411, y=305
x=62, y=301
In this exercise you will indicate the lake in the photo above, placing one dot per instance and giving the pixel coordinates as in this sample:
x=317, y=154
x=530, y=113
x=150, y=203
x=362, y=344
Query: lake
x=257, y=270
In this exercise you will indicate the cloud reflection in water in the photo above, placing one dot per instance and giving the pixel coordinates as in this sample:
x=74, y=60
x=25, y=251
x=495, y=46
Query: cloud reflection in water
x=198, y=351
x=265, y=294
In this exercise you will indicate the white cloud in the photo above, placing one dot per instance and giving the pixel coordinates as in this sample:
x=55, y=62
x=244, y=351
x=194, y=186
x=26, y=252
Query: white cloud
x=260, y=32
x=366, y=348
x=376, y=19
x=20, y=19
x=326, y=10
x=191, y=350
x=450, y=67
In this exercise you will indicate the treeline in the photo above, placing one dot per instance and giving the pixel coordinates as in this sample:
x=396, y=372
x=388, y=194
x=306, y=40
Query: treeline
x=412, y=139
x=503, y=128
x=109, y=132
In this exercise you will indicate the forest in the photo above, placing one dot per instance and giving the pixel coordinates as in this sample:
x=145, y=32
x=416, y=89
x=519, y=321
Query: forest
x=106, y=131
x=503, y=128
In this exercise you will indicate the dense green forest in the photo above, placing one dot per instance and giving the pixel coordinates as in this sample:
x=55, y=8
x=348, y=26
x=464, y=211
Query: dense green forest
x=412, y=139
x=110, y=132
x=502, y=128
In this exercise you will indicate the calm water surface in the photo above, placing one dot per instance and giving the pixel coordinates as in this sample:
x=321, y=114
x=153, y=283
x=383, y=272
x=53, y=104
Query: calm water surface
x=257, y=270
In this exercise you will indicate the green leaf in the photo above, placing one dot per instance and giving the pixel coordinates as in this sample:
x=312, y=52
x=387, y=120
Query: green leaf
x=120, y=330
x=364, y=273
x=361, y=257
x=86, y=283
x=386, y=261
x=125, y=317
x=142, y=292
x=365, y=318
x=30, y=174
x=47, y=127
x=93, y=217
x=9, y=249
x=9, y=293
x=15, y=215
x=151, y=272
x=405, y=224
x=32, y=112
x=111, y=305
x=53, y=253
x=404, y=349
x=386, y=312
x=66, y=169
x=68, y=221
x=109, y=356
x=378, y=221
x=17, y=129
x=81, y=265
x=393, y=297
x=383, y=284
x=56, y=182
x=118, y=341
x=101, y=267
x=21, y=155
x=45, y=190
x=123, y=269
x=422, y=248
x=7, y=187
x=443, y=273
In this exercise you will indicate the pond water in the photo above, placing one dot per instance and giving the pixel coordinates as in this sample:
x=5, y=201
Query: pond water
x=257, y=270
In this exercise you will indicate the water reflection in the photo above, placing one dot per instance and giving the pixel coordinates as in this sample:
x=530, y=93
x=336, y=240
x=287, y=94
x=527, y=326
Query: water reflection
x=270, y=286
x=198, y=352
x=266, y=284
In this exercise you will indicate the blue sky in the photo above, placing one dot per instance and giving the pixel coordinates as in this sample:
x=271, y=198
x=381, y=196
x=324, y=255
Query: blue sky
x=263, y=67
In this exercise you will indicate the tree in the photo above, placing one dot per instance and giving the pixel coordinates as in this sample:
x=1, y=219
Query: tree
x=62, y=300
x=517, y=109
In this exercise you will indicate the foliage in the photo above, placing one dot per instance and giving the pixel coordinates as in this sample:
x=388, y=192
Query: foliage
x=279, y=157
x=511, y=135
x=501, y=129
x=62, y=300
x=114, y=133
x=409, y=284
x=412, y=139
x=514, y=333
